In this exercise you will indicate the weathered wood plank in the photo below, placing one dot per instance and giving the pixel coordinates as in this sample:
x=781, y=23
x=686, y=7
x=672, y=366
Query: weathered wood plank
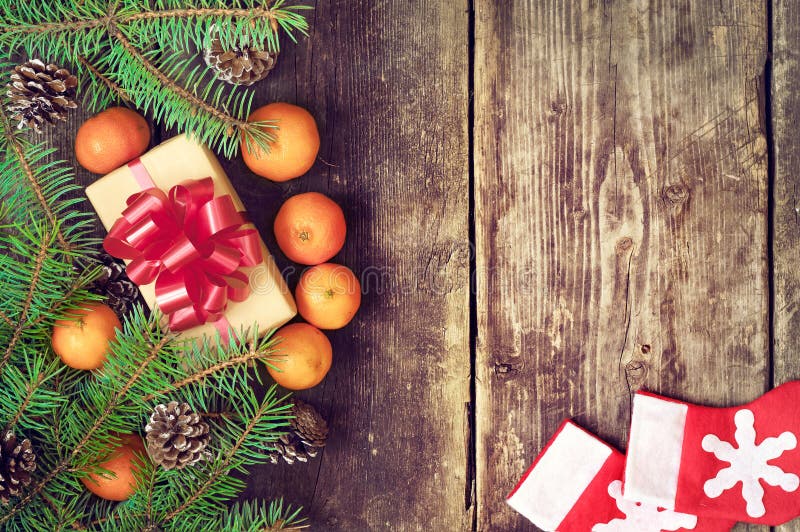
x=621, y=214
x=786, y=234
x=387, y=82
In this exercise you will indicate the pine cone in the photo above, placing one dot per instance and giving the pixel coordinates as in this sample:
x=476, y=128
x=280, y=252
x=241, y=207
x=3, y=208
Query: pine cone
x=307, y=434
x=176, y=436
x=241, y=65
x=40, y=94
x=17, y=462
x=121, y=293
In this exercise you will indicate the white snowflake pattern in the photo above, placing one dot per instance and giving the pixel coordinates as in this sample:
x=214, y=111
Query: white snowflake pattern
x=748, y=463
x=641, y=517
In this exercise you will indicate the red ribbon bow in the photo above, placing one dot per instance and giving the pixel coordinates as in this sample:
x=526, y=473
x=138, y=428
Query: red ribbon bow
x=192, y=245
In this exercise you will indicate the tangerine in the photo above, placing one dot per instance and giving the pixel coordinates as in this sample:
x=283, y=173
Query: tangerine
x=110, y=139
x=310, y=228
x=123, y=461
x=82, y=339
x=304, y=357
x=328, y=295
x=294, y=149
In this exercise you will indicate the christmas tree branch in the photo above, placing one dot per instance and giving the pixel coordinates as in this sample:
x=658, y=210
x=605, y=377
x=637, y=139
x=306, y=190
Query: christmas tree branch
x=55, y=509
x=26, y=304
x=64, y=464
x=202, y=374
x=114, y=45
x=259, y=12
x=68, y=296
x=251, y=517
x=223, y=466
x=151, y=476
x=4, y=317
x=177, y=89
x=31, y=390
x=19, y=152
x=113, y=19
x=116, y=89
x=218, y=415
x=154, y=352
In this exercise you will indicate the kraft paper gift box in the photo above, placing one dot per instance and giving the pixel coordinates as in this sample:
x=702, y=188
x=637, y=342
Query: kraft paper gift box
x=270, y=303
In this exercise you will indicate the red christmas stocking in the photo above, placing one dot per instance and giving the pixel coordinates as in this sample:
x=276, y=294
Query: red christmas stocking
x=575, y=485
x=737, y=463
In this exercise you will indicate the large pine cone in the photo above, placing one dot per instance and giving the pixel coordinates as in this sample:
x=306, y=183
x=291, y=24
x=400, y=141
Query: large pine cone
x=240, y=65
x=40, y=94
x=176, y=436
x=17, y=462
x=307, y=434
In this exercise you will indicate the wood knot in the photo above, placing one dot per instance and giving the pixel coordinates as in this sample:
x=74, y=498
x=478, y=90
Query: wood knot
x=645, y=348
x=505, y=368
x=558, y=107
x=624, y=245
x=635, y=372
x=676, y=194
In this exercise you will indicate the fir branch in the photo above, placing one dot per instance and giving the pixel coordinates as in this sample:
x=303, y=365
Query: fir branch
x=26, y=305
x=252, y=517
x=4, y=317
x=218, y=415
x=151, y=474
x=266, y=12
x=222, y=468
x=116, y=89
x=112, y=19
x=64, y=464
x=89, y=34
x=23, y=406
x=177, y=89
x=56, y=510
x=16, y=146
x=200, y=375
x=68, y=295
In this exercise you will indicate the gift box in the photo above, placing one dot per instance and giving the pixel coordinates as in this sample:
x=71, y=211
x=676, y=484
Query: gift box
x=174, y=217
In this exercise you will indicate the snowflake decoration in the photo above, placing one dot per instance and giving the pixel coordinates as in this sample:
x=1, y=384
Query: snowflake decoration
x=749, y=463
x=641, y=517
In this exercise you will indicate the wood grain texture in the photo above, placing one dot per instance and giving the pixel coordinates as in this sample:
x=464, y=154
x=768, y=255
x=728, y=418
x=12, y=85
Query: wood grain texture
x=388, y=85
x=621, y=214
x=785, y=92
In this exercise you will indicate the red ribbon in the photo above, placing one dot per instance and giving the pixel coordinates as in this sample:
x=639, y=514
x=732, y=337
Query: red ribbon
x=192, y=245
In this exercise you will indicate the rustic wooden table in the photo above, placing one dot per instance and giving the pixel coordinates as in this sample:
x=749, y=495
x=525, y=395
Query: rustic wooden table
x=553, y=203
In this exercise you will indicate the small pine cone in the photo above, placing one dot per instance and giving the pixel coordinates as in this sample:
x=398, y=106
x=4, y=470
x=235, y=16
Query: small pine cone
x=309, y=424
x=40, y=94
x=17, y=462
x=307, y=434
x=241, y=65
x=121, y=293
x=176, y=436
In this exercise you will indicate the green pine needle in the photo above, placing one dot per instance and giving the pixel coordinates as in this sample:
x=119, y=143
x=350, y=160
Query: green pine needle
x=73, y=417
x=145, y=53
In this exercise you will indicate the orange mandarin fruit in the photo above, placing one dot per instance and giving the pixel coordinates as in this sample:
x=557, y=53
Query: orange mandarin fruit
x=122, y=462
x=310, y=228
x=110, y=139
x=82, y=339
x=303, y=357
x=328, y=295
x=295, y=148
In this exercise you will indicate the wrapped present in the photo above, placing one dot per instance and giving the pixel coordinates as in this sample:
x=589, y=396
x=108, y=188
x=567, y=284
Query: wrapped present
x=174, y=217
